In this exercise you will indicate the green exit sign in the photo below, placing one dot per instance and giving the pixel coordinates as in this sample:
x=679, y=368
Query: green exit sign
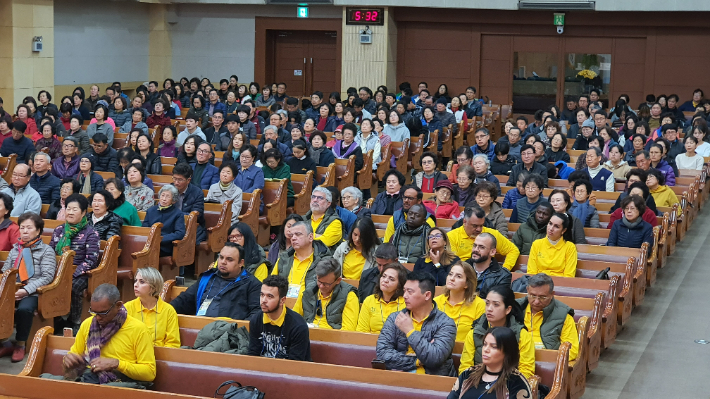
x=559, y=19
x=302, y=12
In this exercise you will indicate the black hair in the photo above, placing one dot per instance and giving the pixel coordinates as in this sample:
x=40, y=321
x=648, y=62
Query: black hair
x=583, y=182
x=35, y=218
x=464, y=150
x=108, y=198
x=502, y=147
x=508, y=301
x=277, y=281
x=658, y=175
x=183, y=169
x=400, y=177
x=8, y=202
x=425, y=280
x=79, y=199
x=431, y=155
x=238, y=247
x=368, y=235
x=420, y=193
x=281, y=237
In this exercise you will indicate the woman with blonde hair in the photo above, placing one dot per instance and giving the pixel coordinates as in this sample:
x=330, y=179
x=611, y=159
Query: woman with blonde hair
x=386, y=299
x=459, y=300
x=159, y=317
x=439, y=256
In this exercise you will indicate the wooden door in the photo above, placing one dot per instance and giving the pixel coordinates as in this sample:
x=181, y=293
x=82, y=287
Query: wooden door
x=306, y=61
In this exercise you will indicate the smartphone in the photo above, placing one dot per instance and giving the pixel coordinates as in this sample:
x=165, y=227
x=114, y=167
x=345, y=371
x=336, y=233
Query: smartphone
x=179, y=281
x=379, y=364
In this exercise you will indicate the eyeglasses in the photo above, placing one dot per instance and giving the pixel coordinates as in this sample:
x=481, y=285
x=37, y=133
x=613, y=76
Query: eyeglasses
x=235, y=237
x=483, y=197
x=201, y=151
x=409, y=198
x=91, y=312
x=325, y=285
x=317, y=198
x=461, y=160
x=68, y=145
x=541, y=298
x=436, y=236
x=19, y=175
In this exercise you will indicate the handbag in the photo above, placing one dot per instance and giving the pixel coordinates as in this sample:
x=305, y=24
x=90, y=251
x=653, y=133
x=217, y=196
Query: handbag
x=603, y=275
x=237, y=391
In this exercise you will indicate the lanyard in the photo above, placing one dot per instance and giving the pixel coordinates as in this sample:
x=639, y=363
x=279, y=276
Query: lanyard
x=207, y=295
x=382, y=316
x=290, y=273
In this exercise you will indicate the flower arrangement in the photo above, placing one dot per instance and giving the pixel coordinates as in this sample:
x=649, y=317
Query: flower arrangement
x=587, y=74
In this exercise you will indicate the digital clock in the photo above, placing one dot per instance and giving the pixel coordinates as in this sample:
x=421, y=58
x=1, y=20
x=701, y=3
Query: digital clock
x=365, y=16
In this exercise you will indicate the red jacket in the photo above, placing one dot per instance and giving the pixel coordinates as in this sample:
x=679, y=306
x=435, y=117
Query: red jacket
x=449, y=210
x=648, y=216
x=9, y=236
x=155, y=120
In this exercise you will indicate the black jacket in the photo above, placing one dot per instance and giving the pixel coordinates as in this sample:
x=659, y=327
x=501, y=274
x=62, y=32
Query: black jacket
x=290, y=341
x=240, y=300
x=494, y=275
x=107, y=227
x=153, y=165
x=379, y=205
x=503, y=168
x=368, y=279
x=107, y=161
x=439, y=273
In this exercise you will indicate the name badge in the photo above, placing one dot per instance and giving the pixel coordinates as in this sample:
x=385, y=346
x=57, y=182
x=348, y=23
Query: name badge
x=403, y=259
x=539, y=345
x=203, y=308
x=293, y=290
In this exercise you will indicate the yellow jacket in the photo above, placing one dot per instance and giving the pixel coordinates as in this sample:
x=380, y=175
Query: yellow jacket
x=525, y=346
x=162, y=322
x=568, y=333
x=463, y=314
x=664, y=196
x=556, y=260
x=462, y=245
x=131, y=345
x=374, y=312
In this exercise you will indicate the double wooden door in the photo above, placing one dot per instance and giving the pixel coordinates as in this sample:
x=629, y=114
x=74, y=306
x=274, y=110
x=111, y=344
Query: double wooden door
x=306, y=61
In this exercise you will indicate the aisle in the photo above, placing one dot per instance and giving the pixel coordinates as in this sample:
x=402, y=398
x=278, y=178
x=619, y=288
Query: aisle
x=655, y=356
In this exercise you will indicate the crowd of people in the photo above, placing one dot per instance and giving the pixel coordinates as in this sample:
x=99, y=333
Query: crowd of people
x=314, y=259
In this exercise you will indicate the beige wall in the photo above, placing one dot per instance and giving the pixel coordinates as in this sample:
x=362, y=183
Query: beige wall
x=160, y=54
x=22, y=71
x=370, y=64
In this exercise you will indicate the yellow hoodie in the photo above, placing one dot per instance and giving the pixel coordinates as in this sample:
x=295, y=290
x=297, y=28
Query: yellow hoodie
x=664, y=196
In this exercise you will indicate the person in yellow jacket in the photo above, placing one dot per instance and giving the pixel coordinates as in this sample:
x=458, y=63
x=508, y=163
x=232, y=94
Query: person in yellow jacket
x=554, y=255
x=459, y=300
x=662, y=194
x=387, y=299
x=413, y=195
x=160, y=318
x=501, y=311
x=111, y=345
x=549, y=321
x=462, y=238
x=254, y=256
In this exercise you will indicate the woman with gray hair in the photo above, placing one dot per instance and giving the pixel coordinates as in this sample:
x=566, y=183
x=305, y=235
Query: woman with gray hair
x=169, y=215
x=351, y=198
x=481, y=165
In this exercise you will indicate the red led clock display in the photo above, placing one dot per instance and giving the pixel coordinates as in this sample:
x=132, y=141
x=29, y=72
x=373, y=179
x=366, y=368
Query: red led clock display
x=365, y=16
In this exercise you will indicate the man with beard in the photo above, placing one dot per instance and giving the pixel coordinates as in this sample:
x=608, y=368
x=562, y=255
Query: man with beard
x=227, y=290
x=489, y=272
x=277, y=331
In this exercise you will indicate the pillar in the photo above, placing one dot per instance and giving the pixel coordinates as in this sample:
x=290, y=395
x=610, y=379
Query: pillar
x=160, y=48
x=370, y=64
x=22, y=71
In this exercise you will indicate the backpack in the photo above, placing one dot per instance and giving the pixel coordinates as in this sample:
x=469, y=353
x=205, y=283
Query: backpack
x=237, y=391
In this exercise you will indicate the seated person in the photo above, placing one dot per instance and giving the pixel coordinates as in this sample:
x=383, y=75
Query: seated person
x=439, y=257
x=170, y=216
x=357, y=254
x=17, y=144
x=443, y=204
x=658, y=162
x=464, y=187
x=505, y=159
x=45, y=183
x=9, y=230
x=67, y=166
x=352, y=201
x=283, y=238
x=662, y=194
x=110, y=346
x=25, y=198
x=90, y=181
x=486, y=194
x=137, y=193
x=462, y=238
x=502, y=356
x=411, y=195
x=204, y=173
x=631, y=230
x=481, y=165
x=324, y=219
x=410, y=238
x=389, y=200
x=190, y=197
x=36, y=265
x=225, y=190
x=346, y=147
x=501, y=311
x=250, y=177
x=225, y=291
x=387, y=298
x=528, y=164
x=254, y=256
x=601, y=178
x=275, y=169
x=160, y=318
x=277, y=331
x=581, y=208
x=295, y=263
x=690, y=159
x=640, y=189
x=384, y=254
x=419, y=338
x=77, y=235
x=555, y=254
x=121, y=207
x=534, y=229
x=511, y=198
x=488, y=271
x=533, y=197
x=459, y=300
x=332, y=304
x=428, y=178
x=104, y=221
x=106, y=158
x=549, y=321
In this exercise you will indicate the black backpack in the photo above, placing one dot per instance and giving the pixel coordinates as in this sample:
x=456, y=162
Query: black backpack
x=237, y=391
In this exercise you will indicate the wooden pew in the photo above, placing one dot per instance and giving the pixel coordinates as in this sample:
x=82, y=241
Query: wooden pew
x=7, y=165
x=7, y=303
x=400, y=151
x=383, y=166
x=140, y=247
x=249, y=213
x=326, y=175
x=218, y=218
x=364, y=175
x=194, y=372
x=302, y=188
x=274, y=196
x=415, y=152
x=344, y=173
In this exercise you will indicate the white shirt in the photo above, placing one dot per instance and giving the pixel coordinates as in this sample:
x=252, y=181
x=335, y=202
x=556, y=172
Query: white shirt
x=609, y=182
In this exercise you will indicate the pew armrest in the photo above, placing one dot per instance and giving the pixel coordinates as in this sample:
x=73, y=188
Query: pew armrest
x=35, y=358
x=106, y=272
x=167, y=288
x=184, y=249
x=55, y=298
x=534, y=382
x=149, y=256
x=217, y=234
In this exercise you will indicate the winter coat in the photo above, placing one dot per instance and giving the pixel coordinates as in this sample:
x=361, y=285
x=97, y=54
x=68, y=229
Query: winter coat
x=104, y=128
x=107, y=227
x=97, y=182
x=397, y=133
x=619, y=171
x=667, y=172
x=223, y=337
x=496, y=219
x=527, y=233
x=379, y=205
x=86, y=245
x=173, y=226
x=121, y=117
x=45, y=265
x=82, y=138
x=631, y=235
x=234, y=193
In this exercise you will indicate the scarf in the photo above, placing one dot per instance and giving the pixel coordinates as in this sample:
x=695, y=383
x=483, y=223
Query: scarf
x=224, y=187
x=61, y=215
x=86, y=187
x=404, y=229
x=24, y=262
x=338, y=149
x=162, y=208
x=582, y=211
x=631, y=225
x=235, y=154
x=315, y=154
x=70, y=231
x=99, y=336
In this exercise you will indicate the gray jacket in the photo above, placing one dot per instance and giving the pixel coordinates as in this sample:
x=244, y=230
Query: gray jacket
x=25, y=200
x=215, y=194
x=106, y=129
x=128, y=126
x=45, y=265
x=182, y=136
x=224, y=337
x=432, y=345
x=397, y=133
x=344, y=248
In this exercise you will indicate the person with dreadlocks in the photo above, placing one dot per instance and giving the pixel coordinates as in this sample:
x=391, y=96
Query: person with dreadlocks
x=110, y=346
